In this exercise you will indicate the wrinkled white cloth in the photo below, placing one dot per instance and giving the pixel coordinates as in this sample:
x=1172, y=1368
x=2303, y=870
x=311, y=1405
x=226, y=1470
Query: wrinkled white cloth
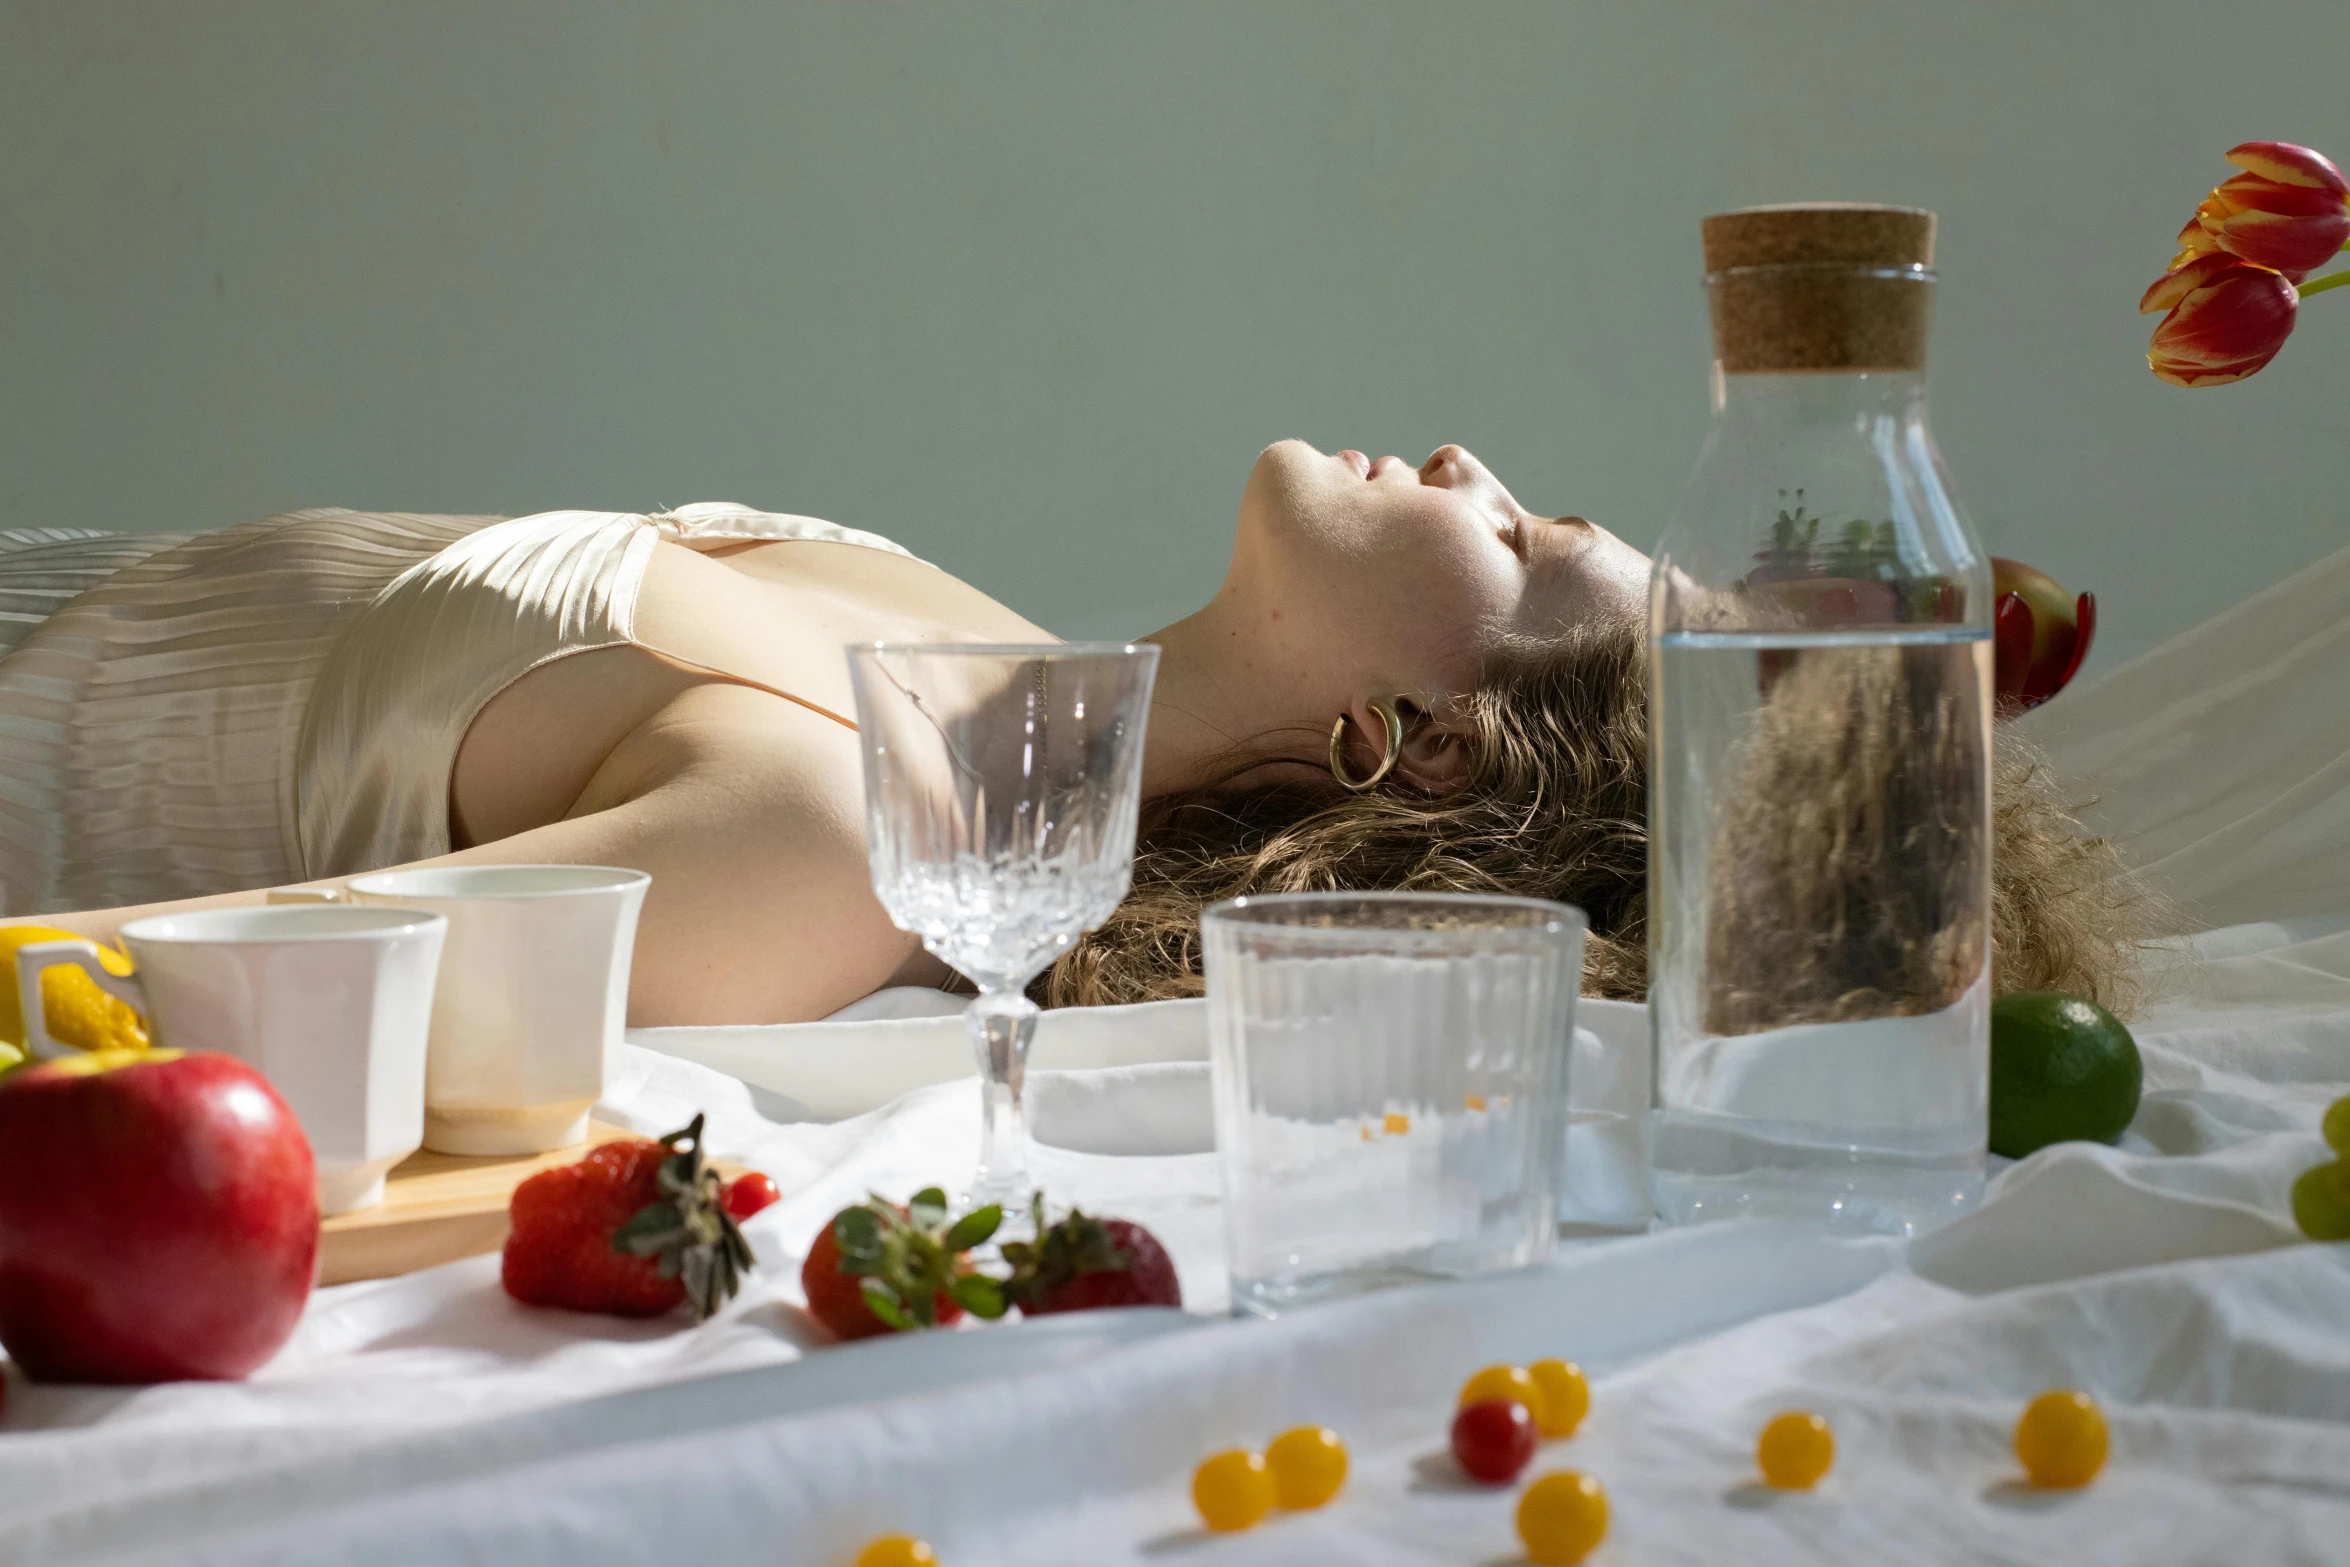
x=429, y=1418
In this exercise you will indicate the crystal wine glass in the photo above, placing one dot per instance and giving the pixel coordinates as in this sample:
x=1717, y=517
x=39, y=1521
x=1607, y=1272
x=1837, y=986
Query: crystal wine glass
x=1001, y=789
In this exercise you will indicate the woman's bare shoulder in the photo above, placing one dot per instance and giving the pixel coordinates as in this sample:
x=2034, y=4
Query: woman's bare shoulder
x=749, y=814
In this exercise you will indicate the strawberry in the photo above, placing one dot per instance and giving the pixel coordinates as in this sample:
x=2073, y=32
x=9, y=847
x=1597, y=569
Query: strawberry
x=633, y=1228
x=882, y=1267
x=1082, y=1262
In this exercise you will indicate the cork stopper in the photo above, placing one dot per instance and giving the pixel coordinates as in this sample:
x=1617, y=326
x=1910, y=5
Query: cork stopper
x=1823, y=286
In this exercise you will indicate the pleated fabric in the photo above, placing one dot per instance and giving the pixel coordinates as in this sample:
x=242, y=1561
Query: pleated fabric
x=44, y=569
x=402, y=687
x=284, y=701
x=398, y=692
x=148, y=724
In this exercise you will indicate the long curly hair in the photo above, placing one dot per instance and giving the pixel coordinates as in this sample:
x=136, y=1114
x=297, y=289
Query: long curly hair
x=1555, y=807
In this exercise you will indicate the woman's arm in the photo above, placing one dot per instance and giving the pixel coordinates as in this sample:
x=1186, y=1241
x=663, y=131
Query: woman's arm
x=747, y=814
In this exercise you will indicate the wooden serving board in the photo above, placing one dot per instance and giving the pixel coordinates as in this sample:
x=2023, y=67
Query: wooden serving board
x=437, y=1208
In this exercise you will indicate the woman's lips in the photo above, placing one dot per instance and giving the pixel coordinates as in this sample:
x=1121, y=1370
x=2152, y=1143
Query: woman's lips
x=1357, y=461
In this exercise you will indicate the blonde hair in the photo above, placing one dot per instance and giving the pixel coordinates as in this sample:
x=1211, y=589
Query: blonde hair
x=1555, y=807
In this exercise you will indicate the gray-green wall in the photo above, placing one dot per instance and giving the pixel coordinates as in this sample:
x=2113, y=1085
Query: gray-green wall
x=1026, y=285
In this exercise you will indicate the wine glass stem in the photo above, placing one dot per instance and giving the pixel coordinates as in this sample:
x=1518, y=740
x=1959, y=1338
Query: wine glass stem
x=1002, y=1021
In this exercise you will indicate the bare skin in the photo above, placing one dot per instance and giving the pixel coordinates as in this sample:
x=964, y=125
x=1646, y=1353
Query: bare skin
x=1351, y=581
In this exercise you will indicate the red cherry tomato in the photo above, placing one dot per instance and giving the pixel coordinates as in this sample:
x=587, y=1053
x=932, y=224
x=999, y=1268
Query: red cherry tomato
x=747, y=1194
x=1493, y=1440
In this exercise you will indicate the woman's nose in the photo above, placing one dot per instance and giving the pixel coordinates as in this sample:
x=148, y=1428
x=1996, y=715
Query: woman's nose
x=1450, y=467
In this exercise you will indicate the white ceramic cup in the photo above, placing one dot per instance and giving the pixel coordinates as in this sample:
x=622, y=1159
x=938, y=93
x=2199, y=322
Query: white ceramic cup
x=331, y=1004
x=533, y=995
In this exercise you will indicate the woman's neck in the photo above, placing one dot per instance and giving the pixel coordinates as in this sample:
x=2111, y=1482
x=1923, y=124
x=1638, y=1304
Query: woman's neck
x=1210, y=703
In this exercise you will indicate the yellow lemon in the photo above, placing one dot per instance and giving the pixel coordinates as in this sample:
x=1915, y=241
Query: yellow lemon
x=78, y=1012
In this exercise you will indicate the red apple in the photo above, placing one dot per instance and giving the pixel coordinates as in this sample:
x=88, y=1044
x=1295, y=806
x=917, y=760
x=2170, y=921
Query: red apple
x=158, y=1218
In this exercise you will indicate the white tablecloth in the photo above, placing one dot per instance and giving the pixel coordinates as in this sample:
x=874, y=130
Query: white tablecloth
x=431, y=1419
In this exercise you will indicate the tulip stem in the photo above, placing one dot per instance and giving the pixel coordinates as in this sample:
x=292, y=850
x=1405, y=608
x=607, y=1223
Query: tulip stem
x=2332, y=280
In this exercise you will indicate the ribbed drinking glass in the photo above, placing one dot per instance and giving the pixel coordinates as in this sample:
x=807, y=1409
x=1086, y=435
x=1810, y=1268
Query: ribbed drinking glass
x=1390, y=1075
x=1002, y=785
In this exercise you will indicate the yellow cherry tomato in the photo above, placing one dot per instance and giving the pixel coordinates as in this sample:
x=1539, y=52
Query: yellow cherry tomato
x=1308, y=1465
x=1232, y=1491
x=1505, y=1382
x=1566, y=1397
x=1794, y=1450
x=2061, y=1440
x=897, y=1550
x=1561, y=1517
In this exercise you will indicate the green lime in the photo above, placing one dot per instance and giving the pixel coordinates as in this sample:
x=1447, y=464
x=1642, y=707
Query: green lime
x=2062, y=1070
x=2321, y=1202
x=2336, y=1126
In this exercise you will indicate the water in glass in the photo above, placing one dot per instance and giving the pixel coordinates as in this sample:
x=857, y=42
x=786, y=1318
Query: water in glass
x=1390, y=1086
x=1820, y=707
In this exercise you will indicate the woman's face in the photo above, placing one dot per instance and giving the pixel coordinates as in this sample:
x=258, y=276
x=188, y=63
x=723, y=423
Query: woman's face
x=1429, y=571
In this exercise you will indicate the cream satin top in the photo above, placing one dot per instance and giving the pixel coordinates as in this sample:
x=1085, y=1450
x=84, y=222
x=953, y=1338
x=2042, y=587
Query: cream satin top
x=284, y=700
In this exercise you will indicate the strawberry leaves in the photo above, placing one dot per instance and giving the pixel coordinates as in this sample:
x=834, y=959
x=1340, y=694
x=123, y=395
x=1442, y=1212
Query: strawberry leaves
x=1060, y=1255
x=906, y=1259
x=687, y=1230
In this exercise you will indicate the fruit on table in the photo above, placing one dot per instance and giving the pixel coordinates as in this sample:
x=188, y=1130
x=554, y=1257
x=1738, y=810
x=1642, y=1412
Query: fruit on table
x=78, y=1012
x=1493, y=1439
x=1566, y=1397
x=1081, y=1263
x=1308, y=1465
x=1794, y=1451
x=880, y=1267
x=1233, y=1490
x=1561, y=1518
x=1510, y=1382
x=2061, y=1440
x=897, y=1550
x=2321, y=1197
x=751, y=1191
x=158, y=1217
x=2321, y=1202
x=634, y=1228
x=2062, y=1070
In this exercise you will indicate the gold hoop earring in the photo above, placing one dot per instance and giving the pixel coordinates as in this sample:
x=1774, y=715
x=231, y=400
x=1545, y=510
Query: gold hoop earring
x=1394, y=753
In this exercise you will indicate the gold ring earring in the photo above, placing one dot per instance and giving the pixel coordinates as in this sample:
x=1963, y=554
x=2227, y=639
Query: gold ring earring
x=1394, y=752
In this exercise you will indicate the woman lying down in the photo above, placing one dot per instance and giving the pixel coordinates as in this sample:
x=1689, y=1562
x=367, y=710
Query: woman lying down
x=324, y=693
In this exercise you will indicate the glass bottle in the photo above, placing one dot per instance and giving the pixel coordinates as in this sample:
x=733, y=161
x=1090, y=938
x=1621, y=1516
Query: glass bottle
x=1820, y=705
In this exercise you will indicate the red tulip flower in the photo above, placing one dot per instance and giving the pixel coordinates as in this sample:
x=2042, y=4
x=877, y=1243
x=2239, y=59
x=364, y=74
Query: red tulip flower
x=2288, y=211
x=2234, y=290
x=2227, y=319
x=2039, y=634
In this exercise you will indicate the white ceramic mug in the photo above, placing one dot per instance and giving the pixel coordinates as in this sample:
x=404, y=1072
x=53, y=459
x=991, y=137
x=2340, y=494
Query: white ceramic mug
x=331, y=1004
x=533, y=995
